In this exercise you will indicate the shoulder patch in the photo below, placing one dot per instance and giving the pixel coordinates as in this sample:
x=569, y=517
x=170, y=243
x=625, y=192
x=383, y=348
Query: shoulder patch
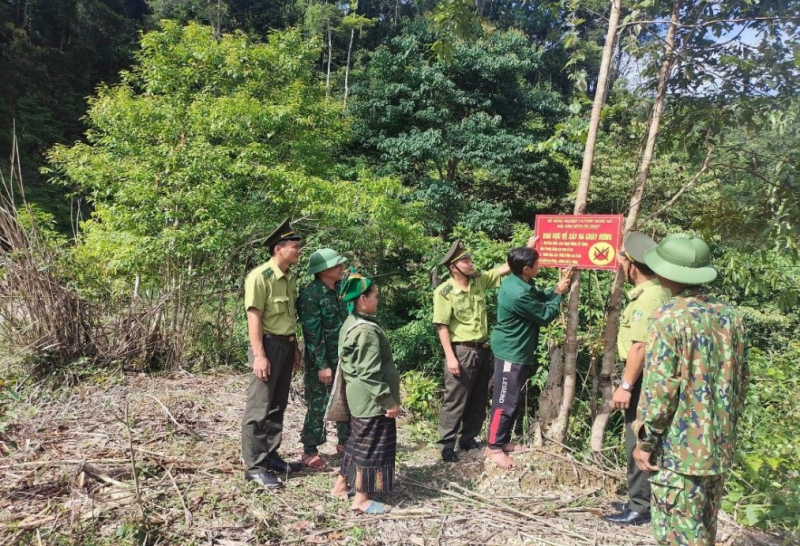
x=638, y=314
x=268, y=272
x=446, y=290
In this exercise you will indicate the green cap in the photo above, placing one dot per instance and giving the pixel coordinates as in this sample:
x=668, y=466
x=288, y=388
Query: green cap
x=456, y=252
x=283, y=232
x=323, y=259
x=683, y=259
x=636, y=244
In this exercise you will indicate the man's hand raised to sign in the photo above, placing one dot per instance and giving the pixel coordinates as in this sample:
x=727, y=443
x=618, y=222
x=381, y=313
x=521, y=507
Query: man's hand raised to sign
x=566, y=278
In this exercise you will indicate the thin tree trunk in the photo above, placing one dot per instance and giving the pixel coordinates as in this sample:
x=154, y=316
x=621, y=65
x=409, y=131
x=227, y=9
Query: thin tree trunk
x=347, y=65
x=609, y=365
x=556, y=430
x=330, y=54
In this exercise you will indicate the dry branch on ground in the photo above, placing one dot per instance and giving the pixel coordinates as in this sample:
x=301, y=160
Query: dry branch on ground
x=71, y=458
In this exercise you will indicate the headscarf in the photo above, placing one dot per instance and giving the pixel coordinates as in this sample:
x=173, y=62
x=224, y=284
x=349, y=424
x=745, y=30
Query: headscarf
x=352, y=287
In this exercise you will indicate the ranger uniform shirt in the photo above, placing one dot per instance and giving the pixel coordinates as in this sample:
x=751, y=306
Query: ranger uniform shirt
x=645, y=299
x=464, y=311
x=321, y=313
x=521, y=310
x=694, y=387
x=272, y=292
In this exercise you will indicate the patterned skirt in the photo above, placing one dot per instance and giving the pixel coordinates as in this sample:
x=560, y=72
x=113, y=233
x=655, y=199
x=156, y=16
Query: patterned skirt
x=368, y=460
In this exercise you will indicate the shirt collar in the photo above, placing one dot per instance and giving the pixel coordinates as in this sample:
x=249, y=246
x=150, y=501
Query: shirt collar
x=277, y=270
x=458, y=289
x=637, y=290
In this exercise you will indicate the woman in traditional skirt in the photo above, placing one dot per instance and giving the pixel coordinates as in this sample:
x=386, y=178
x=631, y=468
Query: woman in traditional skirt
x=373, y=396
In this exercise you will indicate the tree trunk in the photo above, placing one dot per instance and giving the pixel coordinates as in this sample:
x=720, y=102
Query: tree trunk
x=330, y=54
x=347, y=66
x=556, y=428
x=609, y=365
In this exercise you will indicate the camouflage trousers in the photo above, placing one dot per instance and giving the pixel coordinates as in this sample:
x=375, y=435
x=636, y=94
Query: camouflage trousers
x=684, y=508
x=314, y=433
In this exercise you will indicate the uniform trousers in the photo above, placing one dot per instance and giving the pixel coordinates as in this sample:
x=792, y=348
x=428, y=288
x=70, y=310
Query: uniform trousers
x=684, y=511
x=317, y=395
x=465, y=396
x=638, y=480
x=509, y=378
x=262, y=424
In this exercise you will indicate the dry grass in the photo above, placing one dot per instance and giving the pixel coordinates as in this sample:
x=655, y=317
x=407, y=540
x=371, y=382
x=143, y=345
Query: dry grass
x=154, y=460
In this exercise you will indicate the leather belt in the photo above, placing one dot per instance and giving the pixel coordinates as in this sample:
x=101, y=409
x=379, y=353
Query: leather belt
x=287, y=339
x=473, y=344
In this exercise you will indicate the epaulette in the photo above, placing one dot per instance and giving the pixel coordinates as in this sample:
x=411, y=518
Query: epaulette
x=446, y=290
x=476, y=274
x=268, y=272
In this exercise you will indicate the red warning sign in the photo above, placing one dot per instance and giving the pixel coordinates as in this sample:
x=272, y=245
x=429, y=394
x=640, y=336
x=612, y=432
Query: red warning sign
x=585, y=242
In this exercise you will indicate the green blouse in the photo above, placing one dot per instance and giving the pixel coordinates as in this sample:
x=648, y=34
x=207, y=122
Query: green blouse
x=371, y=378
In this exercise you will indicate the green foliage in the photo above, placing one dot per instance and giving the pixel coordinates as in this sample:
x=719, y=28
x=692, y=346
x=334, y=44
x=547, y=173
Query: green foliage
x=764, y=488
x=421, y=395
x=204, y=146
x=461, y=128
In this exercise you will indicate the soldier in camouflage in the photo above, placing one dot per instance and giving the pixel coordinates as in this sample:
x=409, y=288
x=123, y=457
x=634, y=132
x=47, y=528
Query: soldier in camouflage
x=694, y=387
x=321, y=313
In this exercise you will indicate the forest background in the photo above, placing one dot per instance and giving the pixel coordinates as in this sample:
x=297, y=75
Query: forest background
x=160, y=141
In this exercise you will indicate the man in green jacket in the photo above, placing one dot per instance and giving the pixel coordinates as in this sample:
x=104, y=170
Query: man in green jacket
x=321, y=313
x=693, y=393
x=646, y=296
x=459, y=313
x=269, y=299
x=521, y=311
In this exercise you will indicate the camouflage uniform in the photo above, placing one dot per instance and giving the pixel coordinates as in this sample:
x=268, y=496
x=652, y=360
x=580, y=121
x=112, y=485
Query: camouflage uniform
x=695, y=380
x=321, y=314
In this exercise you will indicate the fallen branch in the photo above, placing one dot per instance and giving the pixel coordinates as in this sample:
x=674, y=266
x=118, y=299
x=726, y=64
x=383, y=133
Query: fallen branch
x=192, y=433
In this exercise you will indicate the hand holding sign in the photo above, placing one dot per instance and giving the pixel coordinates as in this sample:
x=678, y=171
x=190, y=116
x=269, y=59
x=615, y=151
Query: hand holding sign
x=564, y=280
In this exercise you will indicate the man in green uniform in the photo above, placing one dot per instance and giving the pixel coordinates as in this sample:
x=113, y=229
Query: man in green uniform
x=459, y=313
x=693, y=393
x=522, y=310
x=646, y=296
x=321, y=313
x=269, y=298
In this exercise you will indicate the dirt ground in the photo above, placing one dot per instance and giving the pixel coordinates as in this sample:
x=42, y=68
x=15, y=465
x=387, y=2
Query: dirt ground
x=142, y=459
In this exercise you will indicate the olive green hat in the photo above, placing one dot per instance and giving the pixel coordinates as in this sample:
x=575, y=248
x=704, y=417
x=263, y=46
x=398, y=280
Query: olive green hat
x=683, y=259
x=323, y=259
x=352, y=287
x=283, y=232
x=636, y=244
x=456, y=252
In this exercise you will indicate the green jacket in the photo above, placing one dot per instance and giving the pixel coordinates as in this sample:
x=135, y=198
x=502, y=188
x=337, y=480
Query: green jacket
x=321, y=315
x=694, y=386
x=521, y=310
x=372, y=381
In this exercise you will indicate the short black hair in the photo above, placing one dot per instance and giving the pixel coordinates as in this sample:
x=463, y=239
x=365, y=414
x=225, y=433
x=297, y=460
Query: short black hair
x=520, y=257
x=276, y=245
x=643, y=268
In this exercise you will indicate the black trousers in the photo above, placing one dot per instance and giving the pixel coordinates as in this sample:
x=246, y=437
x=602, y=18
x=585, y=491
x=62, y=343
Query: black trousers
x=509, y=378
x=638, y=480
x=262, y=424
x=465, y=396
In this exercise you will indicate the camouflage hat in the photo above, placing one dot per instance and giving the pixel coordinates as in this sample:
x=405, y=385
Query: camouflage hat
x=683, y=259
x=635, y=245
x=323, y=259
x=456, y=252
x=283, y=232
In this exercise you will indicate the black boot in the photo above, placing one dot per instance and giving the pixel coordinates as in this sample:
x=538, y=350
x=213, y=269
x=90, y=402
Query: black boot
x=449, y=455
x=279, y=465
x=629, y=517
x=262, y=477
x=470, y=444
